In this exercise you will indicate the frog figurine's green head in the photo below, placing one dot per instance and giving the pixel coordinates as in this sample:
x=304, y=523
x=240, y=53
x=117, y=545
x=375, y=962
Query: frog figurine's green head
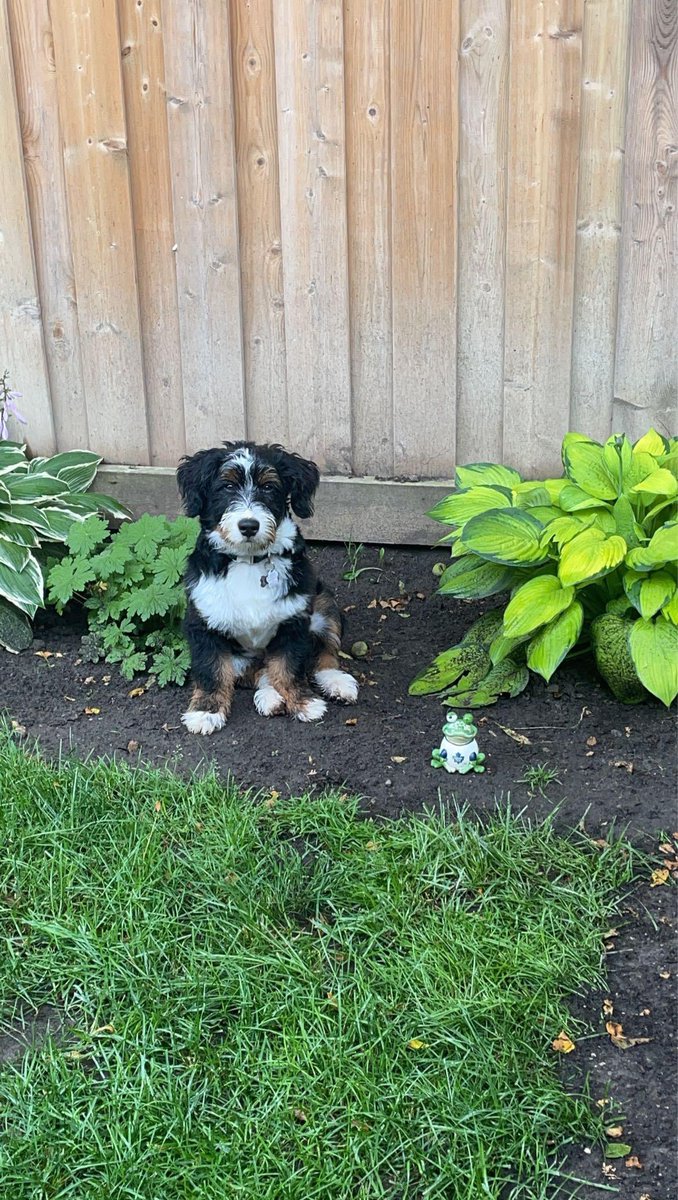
x=459, y=730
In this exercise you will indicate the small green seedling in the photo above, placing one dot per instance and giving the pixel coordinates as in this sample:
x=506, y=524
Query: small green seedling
x=539, y=777
x=354, y=553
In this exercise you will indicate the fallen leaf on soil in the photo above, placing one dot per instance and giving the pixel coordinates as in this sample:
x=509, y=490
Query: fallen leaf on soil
x=361, y=1125
x=343, y=654
x=601, y=843
x=137, y=691
x=589, y=754
x=563, y=1044
x=44, y=653
x=372, y=603
x=671, y=864
x=618, y=1038
x=90, y=679
x=591, y=741
x=351, y=721
x=132, y=747
x=416, y=1044
x=349, y=608
x=300, y=1116
x=398, y=758
x=169, y=728
x=609, y=1171
x=622, y=762
x=603, y=1102
x=332, y=999
x=645, y=1012
x=633, y=1161
x=614, y=1130
x=610, y=933
x=19, y=729
x=666, y=848
x=608, y=1007
x=157, y=806
x=92, y=712
x=617, y=1150
x=664, y=974
x=372, y=845
x=517, y=737
x=420, y=595
x=659, y=876
x=102, y=1029
x=70, y=698
x=106, y=678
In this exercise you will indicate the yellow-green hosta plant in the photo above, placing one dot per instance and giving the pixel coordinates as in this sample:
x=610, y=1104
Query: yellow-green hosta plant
x=40, y=500
x=590, y=559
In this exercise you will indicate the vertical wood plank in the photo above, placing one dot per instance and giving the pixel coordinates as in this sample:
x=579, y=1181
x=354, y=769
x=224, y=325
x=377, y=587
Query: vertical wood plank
x=143, y=73
x=202, y=155
x=91, y=108
x=23, y=352
x=544, y=104
x=424, y=70
x=599, y=214
x=367, y=86
x=35, y=75
x=259, y=220
x=646, y=377
x=483, y=127
x=309, y=72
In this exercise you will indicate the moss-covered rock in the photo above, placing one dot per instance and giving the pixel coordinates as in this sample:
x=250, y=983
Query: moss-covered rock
x=610, y=641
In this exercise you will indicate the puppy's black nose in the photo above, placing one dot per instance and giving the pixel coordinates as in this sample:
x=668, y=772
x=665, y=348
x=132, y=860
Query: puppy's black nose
x=248, y=527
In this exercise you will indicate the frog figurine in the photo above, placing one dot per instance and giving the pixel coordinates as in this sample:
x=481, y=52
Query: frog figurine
x=459, y=748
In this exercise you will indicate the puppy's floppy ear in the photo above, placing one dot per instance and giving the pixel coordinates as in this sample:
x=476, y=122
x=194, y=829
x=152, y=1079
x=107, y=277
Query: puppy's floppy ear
x=301, y=478
x=195, y=477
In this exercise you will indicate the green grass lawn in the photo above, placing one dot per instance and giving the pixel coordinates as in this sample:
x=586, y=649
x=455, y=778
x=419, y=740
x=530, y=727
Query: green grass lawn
x=284, y=1000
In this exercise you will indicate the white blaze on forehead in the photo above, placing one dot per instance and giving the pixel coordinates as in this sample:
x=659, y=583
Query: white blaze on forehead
x=241, y=458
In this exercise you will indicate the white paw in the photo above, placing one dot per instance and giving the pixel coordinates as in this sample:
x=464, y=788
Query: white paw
x=312, y=710
x=267, y=700
x=203, y=722
x=339, y=685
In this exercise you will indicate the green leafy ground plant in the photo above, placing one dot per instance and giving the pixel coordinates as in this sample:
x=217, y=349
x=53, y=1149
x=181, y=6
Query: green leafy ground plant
x=589, y=560
x=289, y=1001
x=41, y=499
x=131, y=585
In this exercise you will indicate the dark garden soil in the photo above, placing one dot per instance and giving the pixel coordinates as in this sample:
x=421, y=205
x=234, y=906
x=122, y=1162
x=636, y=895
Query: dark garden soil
x=616, y=766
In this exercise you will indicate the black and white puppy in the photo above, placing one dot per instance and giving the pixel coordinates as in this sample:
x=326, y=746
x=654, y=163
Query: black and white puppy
x=257, y=613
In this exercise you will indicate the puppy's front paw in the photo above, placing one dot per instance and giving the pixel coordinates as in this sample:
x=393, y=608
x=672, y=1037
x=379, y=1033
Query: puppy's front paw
x=338, y=685
x=203, y=722
x=267, y=699
x=313, y=709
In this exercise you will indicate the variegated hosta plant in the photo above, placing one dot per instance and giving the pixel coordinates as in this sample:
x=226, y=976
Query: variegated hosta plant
x=40, y=498
x=589, y=559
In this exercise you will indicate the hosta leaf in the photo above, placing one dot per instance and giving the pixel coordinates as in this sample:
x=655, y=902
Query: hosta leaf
x=625, y=521
x=34, y=489
x=13, y=555
x=554, y=488
x=465, y=663
x=602, y=518
x=12, y=458
x=590, y=555
x=662, y=548
x=654, y=650
x=507, y=677
x=528, y=495
x=642, y=464
x=552, y=644
x=534, y=603
x=610, y=643
x=76, y=467
x=509, y=536
x=485, y=473
x=585, y=466
x=573, y=499
x=649, y=592
x=502, y=646
x=546, y=513
x=670, y=609
x=660, y=483
x=460, y=506
x=652, y=443
x=563, y=529
x=23, y=588
x=471, y=578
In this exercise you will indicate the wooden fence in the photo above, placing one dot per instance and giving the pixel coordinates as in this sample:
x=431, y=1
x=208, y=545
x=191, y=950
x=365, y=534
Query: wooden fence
x=392, y=234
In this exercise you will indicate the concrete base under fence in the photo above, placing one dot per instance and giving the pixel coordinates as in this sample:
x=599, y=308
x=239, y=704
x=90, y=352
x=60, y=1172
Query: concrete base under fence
x=347, y=509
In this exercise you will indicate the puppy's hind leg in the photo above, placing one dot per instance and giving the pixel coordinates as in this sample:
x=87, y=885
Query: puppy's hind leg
x=326, y=626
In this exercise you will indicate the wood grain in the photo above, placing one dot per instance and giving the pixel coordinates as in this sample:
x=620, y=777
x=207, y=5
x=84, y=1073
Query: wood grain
x=646, y=374
x=311, y=138
x=202, y=155
x=599, y=213
x=23, y=350
x=483, y=106
x=367, y=62
x=96, y=168
x=544, y=106
x=36, y=84
x=424, y=37
x=259, y=212
x=143, y=73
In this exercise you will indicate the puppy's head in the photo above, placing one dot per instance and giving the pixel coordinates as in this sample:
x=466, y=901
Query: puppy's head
x=242, y=493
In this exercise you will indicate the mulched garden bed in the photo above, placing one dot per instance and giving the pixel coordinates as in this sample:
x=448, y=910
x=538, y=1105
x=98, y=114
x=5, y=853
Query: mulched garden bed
x=616, y=767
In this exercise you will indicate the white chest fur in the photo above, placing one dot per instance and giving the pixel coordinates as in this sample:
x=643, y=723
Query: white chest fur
x=238, y=605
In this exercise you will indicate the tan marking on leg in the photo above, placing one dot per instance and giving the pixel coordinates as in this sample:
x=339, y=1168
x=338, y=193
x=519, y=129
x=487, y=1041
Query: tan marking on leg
x=221, y=699
x=299, y=701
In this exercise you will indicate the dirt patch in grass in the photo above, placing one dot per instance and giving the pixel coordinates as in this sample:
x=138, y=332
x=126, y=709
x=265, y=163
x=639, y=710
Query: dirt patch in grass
x=615, y=766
